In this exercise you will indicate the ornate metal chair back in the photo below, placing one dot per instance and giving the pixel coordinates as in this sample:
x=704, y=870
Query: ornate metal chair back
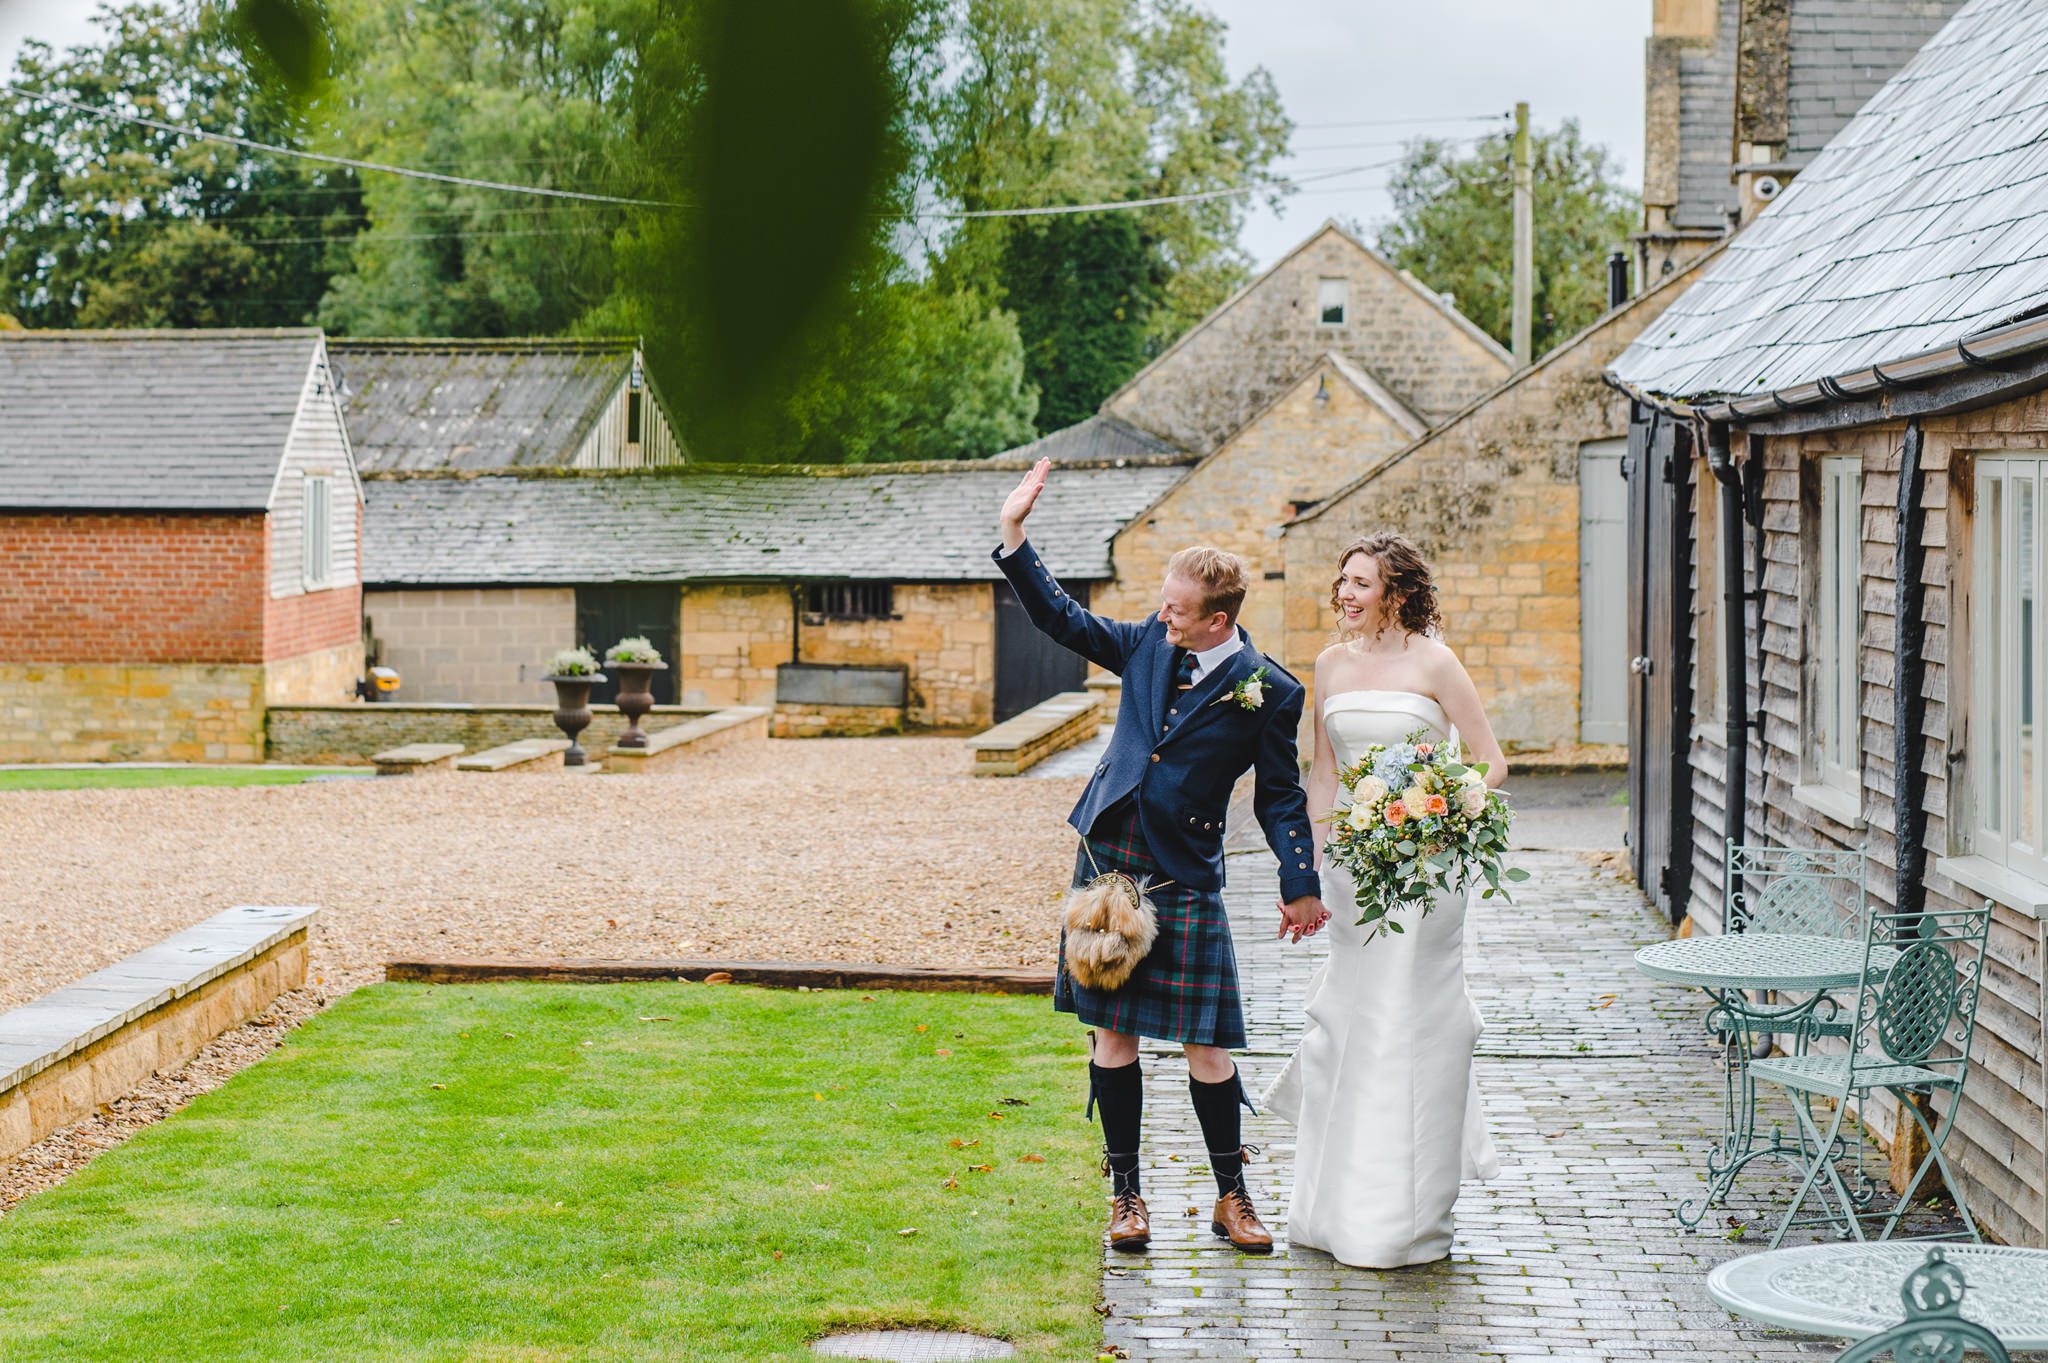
x=1927, y=996
x=1934, y=1330
x=1813, y=892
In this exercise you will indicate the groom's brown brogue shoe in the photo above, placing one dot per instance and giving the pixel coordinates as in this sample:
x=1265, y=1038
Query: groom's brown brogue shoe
x=1238, y=1223
x=1130, y=1229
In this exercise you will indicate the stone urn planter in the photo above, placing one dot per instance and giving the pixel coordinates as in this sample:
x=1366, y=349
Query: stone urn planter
x=635, y=698
x=635, y=660
x=573, y=672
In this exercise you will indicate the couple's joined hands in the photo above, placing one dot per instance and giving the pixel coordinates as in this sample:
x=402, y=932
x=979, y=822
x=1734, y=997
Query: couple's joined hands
x=1303, y=917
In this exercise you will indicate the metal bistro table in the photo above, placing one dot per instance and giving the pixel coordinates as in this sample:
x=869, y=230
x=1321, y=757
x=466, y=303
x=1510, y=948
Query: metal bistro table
x=1727, y=967
x=1852, y=1290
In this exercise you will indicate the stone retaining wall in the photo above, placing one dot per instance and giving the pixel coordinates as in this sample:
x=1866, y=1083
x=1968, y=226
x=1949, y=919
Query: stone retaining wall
x=131, y=712
x=160, y=1033
x=796, y=720
x=352, y=734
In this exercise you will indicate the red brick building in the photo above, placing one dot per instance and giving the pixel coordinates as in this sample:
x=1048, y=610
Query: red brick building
x=180, y=518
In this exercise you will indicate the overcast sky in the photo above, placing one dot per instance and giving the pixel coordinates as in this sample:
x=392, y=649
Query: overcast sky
x=1446, y=68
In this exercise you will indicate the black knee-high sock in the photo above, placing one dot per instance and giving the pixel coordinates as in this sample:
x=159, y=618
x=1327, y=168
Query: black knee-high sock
x=1216, y=1110
x=1120, y=1093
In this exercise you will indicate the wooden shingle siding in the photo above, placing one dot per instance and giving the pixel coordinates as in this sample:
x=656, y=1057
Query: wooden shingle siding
x=316, y=447
x=1999, y=1143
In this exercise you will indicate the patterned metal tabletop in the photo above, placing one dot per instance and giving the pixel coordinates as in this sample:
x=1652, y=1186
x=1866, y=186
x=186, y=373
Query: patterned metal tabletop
x=1761, y=960
x=1852, y=1290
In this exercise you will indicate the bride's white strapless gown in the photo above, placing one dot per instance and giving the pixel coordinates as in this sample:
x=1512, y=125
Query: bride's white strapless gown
x=1381, y=1090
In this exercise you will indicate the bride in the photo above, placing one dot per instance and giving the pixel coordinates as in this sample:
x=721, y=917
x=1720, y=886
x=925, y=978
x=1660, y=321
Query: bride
x=1380, y=1089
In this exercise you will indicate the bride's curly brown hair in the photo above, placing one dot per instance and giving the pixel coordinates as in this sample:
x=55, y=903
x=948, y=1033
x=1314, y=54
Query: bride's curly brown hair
x=1406, y=583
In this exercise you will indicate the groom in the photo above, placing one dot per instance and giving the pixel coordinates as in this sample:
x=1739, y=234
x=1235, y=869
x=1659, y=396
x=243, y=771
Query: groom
x=1200, y=705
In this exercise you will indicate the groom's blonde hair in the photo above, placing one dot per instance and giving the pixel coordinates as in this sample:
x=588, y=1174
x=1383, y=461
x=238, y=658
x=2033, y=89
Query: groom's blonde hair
x=1221, y=575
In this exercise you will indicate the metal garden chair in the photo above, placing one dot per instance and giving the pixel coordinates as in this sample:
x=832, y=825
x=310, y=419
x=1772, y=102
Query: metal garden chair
x=1934, y=1330
x=1921, y=975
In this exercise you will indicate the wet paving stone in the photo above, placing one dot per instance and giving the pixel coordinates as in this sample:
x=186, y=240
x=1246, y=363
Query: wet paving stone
x=1601, y=1089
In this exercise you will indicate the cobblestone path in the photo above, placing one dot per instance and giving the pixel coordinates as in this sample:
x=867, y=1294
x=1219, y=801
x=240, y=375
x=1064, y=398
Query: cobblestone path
x=1599, y=1106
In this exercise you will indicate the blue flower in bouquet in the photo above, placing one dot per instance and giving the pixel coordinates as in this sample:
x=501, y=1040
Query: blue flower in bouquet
x=1392, y=766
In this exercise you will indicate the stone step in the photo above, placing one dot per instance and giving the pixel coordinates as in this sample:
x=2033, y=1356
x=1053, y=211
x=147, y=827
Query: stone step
x=737, y=724
x=523, y=755
x=417, y=759
x=1024, y=740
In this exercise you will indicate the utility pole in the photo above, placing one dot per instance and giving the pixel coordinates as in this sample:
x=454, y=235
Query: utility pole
x=1525, y=240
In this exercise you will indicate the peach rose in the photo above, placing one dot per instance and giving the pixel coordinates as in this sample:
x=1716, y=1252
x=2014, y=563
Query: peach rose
x=1396, y=813
x=1472, y=799
x=1424, y=749
x=1436, y=804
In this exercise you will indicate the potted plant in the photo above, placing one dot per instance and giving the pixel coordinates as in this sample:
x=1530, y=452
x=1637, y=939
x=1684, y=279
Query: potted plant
x=574, y=672
x=636, y=661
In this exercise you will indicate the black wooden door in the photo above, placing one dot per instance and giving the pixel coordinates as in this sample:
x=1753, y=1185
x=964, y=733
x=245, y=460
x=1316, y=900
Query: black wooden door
x=1660, y=694
x=620, y=610
x=1029, y=666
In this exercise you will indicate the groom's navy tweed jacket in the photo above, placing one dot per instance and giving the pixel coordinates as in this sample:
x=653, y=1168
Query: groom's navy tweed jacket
x=1181, y=752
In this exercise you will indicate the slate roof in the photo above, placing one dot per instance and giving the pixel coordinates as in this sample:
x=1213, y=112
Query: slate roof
x=148, y=420
x=1919, y=225
x=463, y=404
x=1099, y=438
x=904, y=523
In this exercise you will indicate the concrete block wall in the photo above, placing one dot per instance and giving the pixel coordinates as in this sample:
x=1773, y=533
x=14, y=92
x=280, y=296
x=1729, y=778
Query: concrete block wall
x=473, y=645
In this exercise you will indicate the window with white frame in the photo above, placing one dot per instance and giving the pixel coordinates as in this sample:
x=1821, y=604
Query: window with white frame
x=1332, y=297
x=2006, y=655
x=1833, y=706
x=316, y=530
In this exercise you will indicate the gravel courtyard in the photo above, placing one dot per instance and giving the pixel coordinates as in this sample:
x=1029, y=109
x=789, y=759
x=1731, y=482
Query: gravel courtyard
x=824, y=849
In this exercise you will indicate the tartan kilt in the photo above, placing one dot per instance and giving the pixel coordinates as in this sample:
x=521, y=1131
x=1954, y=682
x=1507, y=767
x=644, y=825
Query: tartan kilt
x=1185, y=989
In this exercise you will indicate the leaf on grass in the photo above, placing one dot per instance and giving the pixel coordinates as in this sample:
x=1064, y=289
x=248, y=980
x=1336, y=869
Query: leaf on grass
x=1016, y=1102
x=819, y=1096
x=950, y=1183
x=908, y=1230
x=981, y=1168
x=995, y=1116
x=1030, y=1159
x=662, y=1018
x=867, y=998
x=942, y=1051
x=920, y=1027
x=719, y=977
x=440, y=1086
x=821, y=1187
x=959, y=1144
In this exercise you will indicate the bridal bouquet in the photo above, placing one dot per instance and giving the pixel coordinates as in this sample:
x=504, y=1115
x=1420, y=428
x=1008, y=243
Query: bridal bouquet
x=1421, y=821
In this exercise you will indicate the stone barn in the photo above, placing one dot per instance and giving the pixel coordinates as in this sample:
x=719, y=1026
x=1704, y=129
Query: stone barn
x=179, y=518
x=739, y=574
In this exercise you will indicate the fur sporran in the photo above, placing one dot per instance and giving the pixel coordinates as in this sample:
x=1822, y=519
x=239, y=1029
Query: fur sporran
x=1111, y=926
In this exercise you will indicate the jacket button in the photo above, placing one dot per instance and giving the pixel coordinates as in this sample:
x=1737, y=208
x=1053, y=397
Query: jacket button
x=1155, y=757
x=1302, y=864
x=1174, y=711
x=1208, y=825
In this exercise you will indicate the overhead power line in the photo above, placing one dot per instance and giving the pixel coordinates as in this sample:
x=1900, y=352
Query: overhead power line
x=467, y=182
x=1407, y=122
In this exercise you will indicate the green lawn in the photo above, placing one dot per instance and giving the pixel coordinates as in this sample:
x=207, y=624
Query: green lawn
x=102, y=778
x=587, y=1172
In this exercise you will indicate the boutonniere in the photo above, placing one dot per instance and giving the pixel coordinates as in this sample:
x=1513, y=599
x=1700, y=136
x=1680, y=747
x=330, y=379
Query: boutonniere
x=1250, y=693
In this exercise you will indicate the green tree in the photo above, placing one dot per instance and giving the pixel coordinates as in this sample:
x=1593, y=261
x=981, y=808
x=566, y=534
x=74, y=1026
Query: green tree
x=111, y=224
x=1086, y=101
x=1453, y=227
x=522, y=91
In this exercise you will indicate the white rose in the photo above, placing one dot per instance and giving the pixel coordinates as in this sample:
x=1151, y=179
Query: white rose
x=1254, y=695
x=1472, y=778
x=1359, y=817
x=1472, y=799
x=1370, y=790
